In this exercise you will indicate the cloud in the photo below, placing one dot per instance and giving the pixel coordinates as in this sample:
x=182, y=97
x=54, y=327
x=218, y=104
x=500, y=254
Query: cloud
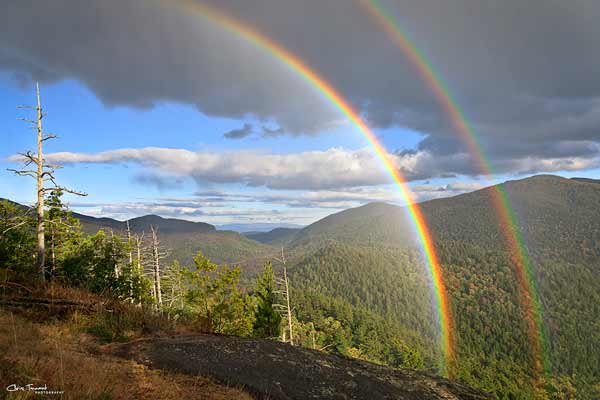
x=266, y=206
x=268, y=132
x=335, y=168
x=524, y=73
x=160, y=182
x=305, y=170
x=239, y=133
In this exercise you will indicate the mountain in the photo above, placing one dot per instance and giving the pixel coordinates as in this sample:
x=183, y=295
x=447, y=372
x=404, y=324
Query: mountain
x=587, y=180
x=256, y=227
x=142, y=224
x=182, y=239
x=367, y=258
x=277, y=236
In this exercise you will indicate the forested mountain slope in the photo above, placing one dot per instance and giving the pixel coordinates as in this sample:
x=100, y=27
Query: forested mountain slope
x=367, y=257
x=277, y=236
x=360, y=286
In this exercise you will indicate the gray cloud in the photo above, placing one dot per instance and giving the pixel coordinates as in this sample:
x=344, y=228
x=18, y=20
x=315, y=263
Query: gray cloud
x=525, y=73
x=239, y=133
x=157, y=180
x=268, y=132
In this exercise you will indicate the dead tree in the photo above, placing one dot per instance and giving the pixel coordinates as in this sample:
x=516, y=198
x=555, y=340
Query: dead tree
x=285, y=292
x=42, y=173
x=139, y=239
x=137, y=268
x=113, y=256
x=129, y=244
x=157, y=256
x=131, y=267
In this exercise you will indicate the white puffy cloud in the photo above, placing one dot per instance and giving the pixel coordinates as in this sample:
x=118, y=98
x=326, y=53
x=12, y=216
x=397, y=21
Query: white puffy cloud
x=335, y=168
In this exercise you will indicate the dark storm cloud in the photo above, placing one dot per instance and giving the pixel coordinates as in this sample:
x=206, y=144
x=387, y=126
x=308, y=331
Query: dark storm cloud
x=268, y=132
x=239, y=133
x=524, y=72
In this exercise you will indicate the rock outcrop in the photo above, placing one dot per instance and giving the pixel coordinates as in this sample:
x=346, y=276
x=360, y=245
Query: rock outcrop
x=278, y=371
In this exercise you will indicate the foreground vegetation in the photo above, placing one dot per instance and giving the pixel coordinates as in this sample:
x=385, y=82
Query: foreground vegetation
x=204, y=296
x=63, y=351
x=366, y=294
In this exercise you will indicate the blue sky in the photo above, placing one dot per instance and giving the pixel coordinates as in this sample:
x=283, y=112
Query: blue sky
x=197, y=82
x=87, y=125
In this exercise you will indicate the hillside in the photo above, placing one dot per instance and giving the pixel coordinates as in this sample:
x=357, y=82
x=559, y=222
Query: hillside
x=277, y=236
x=182, y=239
x=365, y=257
x=360, y=287
x=359, y=225
x=558, y=217
x=142, y=224
x=59, y=339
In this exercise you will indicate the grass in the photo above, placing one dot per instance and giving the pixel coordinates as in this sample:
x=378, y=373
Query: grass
x=66, y=353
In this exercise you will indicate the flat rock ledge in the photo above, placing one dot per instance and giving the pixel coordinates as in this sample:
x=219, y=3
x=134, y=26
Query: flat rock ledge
x=273, y=370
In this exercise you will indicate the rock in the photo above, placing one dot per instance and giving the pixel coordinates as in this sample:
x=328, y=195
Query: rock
x=278, y=371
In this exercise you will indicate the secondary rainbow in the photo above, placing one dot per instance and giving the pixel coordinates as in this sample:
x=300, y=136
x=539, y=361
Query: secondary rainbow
x=261, y=41
x=530, y=299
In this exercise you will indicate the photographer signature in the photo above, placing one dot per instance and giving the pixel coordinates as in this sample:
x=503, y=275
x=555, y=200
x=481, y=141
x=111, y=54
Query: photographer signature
x=32, y=388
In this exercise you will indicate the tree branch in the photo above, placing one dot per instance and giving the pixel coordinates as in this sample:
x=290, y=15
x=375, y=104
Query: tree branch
x=27, y=120
x=63, y=189
x=12, y=227
x=30, y=173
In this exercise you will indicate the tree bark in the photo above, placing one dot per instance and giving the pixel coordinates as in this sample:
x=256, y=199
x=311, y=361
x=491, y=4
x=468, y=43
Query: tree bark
x=156, y=256
x=289, y=311
x=41, y=245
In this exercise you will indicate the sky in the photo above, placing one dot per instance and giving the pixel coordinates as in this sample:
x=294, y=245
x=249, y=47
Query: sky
x=161, y=111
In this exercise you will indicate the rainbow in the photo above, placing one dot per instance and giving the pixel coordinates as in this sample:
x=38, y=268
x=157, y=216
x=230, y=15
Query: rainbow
x=294, y=63
x=530, y=298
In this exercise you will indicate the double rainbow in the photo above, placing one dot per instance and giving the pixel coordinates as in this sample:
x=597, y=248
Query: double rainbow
x=529, y=294
x=295, y=64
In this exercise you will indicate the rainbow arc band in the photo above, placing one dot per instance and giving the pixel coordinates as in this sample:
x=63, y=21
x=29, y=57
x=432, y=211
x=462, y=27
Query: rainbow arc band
x=529, y=294
x=301, y=68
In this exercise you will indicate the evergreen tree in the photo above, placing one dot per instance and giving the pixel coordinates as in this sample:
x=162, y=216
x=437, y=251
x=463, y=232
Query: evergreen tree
x=63, y=233
x=268, y=320
x=216, y=299
x=17, y=241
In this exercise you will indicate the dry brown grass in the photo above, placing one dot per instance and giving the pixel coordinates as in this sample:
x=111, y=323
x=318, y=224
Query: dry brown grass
x=61, y=356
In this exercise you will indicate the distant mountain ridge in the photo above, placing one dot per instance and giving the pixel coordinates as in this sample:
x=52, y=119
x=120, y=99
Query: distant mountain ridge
x=142, y=224
x=279, y=236
x=260, y=227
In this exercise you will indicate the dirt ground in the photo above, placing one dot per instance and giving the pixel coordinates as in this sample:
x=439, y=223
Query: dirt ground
x=58, y=356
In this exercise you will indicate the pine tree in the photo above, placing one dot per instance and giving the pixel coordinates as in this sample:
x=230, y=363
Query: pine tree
x=268, y=320
x=63, y=231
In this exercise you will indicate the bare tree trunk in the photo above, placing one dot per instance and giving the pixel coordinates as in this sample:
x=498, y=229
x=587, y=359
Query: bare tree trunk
x=43, y=173
x=41, y=246
x=131, y=267
x=285, y=308
x=156, y=256
x=138, y=244
x=113, y=255
x=289, y=310
x=129, y=244
x=138, y=263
